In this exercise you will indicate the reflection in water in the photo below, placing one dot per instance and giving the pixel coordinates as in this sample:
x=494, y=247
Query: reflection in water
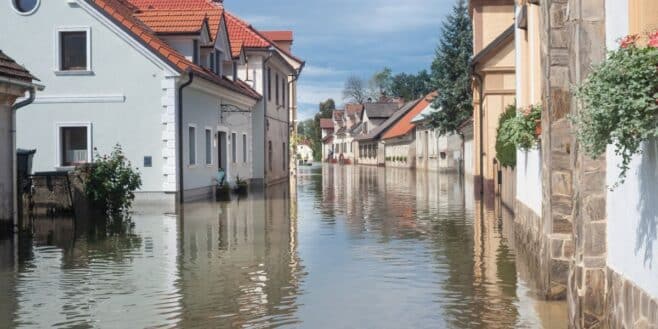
x=360, y=247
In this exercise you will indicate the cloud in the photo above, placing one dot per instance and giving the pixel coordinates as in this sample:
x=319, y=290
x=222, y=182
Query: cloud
x=320, y=71
x=314, y=94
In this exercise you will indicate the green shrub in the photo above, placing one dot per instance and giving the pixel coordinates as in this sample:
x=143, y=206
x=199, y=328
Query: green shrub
x=110, y=183
x=505, y=149
x=620, y=102
x=521, y=129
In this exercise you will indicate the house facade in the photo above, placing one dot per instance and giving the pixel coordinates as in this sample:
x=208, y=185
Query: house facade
x=179, y=96
x=15, y=82
x=327, y=133
x=304, y=152
x=347, y=124
x=375, y=119
x=493, y=66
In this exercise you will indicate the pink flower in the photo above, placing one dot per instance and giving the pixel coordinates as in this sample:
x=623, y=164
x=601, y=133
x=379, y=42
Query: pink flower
x=653, y=40
x=629, y=41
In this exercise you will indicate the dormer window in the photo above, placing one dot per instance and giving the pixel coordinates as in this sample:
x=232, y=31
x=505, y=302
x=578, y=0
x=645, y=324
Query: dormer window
x=218, y=62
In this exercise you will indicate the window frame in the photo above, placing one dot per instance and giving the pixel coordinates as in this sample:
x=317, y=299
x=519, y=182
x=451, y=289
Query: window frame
x=14, y=6
x=58, y=142
x=57, y=58
x=189, y=149
x=269, y=84
x=208, y=146
x=276, y=90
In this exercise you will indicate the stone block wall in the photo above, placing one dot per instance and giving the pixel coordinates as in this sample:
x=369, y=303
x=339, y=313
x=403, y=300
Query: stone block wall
x=627, y=305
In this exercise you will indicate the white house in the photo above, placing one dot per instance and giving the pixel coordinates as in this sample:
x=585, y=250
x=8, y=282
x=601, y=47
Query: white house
x=327, y=134
x=141, y=79
x=375, y=120
x=267, y=65
x=304, y=152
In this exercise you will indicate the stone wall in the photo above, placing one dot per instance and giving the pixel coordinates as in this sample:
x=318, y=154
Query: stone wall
x=627, y=305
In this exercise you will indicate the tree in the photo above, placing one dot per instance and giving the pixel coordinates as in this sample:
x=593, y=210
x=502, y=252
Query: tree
x=450, y=71
x=326, y=108
x=380, y=83
x=409, y=86
x=355, y=90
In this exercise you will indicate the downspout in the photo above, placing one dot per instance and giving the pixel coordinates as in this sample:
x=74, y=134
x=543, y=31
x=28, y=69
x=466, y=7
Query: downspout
x=480, y=82
x=15, y=108
x=291, y=159
x=181, y=185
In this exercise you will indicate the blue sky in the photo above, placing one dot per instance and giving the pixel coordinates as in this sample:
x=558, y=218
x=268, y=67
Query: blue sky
x=339, y=38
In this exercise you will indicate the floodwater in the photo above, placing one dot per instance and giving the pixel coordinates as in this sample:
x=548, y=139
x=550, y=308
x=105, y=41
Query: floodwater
x=361, y=247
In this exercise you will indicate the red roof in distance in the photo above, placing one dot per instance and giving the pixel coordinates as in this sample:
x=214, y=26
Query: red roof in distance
x=404, y=125
x=277, y=36
x=326, y=123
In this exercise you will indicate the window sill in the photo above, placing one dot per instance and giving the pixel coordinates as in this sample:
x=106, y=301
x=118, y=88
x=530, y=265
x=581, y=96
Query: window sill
x=65, y=168
x=74, y=73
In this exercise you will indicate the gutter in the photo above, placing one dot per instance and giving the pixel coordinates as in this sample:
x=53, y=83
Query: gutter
x=480, y=82
x=179, y=143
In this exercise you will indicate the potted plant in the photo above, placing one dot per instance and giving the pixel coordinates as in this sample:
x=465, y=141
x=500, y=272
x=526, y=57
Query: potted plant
x=620, y=102
x=241, y=186
x=223, y=192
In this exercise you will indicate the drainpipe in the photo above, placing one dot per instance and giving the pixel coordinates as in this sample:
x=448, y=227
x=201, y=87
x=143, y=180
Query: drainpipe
x=480, y=82
x=14, y=164
x=181, y=185
x=291, y=159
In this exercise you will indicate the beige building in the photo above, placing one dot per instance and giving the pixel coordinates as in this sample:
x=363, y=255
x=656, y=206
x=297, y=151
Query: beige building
x=494, y=83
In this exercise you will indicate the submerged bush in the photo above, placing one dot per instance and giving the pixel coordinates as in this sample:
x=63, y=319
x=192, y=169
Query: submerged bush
x=505, y=148
x=110, y=183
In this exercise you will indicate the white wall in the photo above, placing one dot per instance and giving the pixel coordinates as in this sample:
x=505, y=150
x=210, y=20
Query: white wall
x=632, y=208
x=201, y=109
x=528, y=164
x=120, y=109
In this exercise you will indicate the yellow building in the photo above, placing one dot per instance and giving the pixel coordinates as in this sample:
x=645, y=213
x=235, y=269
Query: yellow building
x=493, y=70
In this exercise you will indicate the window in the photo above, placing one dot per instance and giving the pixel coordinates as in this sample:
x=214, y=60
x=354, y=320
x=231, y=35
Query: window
x=212, y=61
x=234, y=146
x=284, y=156
x=195, y=51
x=269, y=84
x=192, y=145
x=244, y=148
x=218, y=62
x=247, y=76
x=276, y=80
x=269, y=154
x=25, y=7
x=235, y=71
x=74, y=51
x=74, y=145
x=208, y=146
x=283, y=92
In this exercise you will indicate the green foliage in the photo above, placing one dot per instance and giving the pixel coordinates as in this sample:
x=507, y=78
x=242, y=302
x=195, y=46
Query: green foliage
x=450, y=71
x=110, y=183
x=410, y=86
x=620, y=106
x=521, y=129
x=380, y=83
x=505, y=149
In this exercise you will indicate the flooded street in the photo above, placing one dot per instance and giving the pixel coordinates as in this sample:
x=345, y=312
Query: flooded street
x=362, y=247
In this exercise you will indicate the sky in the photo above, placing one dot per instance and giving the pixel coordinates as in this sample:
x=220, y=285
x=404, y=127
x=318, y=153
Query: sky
x=340, y=38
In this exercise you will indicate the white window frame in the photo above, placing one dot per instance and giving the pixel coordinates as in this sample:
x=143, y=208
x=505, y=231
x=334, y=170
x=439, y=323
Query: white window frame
x=196, y=147
x=27, y=13
x=58, y=142
x=212, y=146
x=57, y=64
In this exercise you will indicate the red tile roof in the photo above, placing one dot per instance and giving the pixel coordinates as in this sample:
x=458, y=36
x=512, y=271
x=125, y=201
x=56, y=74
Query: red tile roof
x=404, y=125
x=243, y=35
x=174, y=21
x=125, y=14
x=285, y=36
x=326, y=123
x=10, y=69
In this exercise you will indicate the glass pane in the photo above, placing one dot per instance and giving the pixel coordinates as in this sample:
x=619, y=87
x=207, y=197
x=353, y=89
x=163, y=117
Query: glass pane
x=234, y=142
x=244, y=148
x=208, y=147
x=192, y=145
x=74, y=51
x=25, y=6
x=74, y=146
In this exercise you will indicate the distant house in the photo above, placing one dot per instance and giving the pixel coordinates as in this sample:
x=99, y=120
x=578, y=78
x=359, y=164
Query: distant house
x=304, y=152
x=346, y=125
x=436, y=152
x=327, y=133
x=377, y=118
x=182, y=85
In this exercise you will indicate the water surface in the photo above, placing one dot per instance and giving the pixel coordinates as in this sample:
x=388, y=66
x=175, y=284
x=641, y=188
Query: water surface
x=349, y=247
